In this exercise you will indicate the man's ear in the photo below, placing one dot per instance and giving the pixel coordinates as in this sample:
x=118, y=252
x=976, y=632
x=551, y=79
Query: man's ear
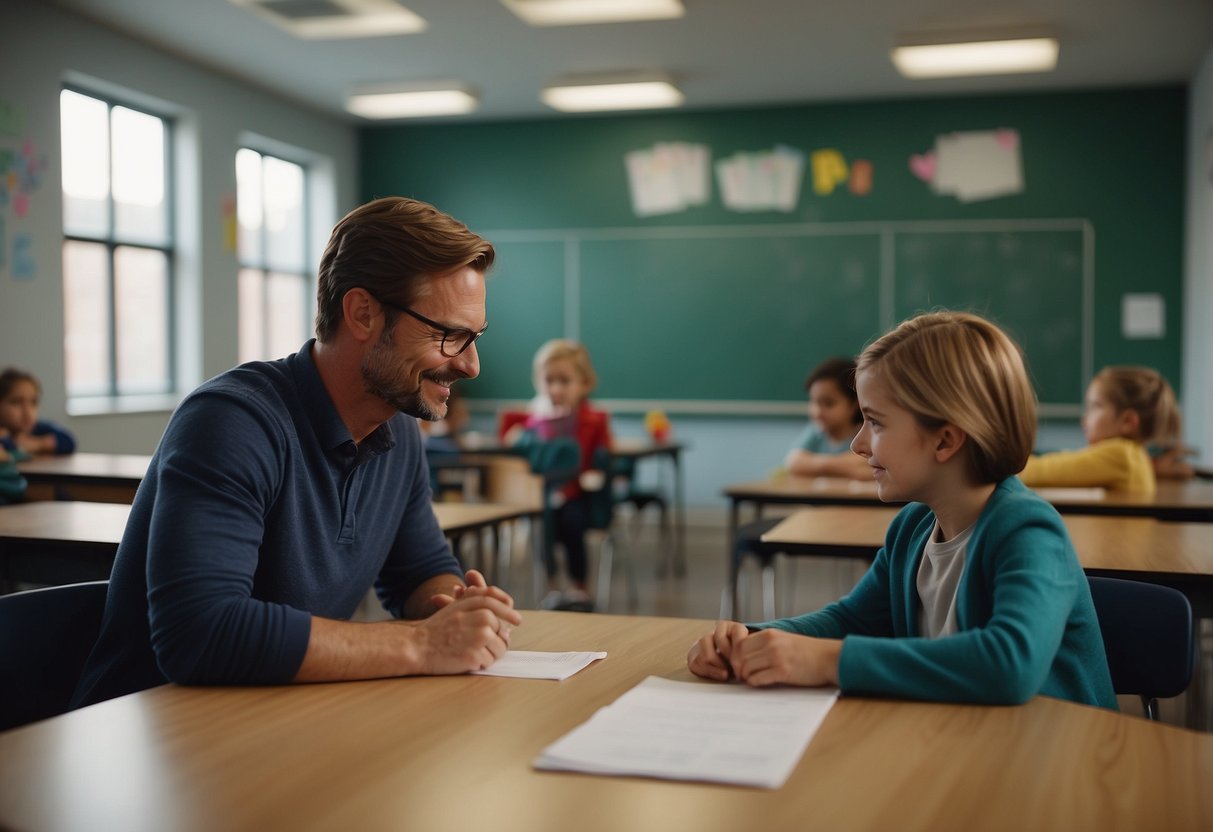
x=949, y=439
x=361, y=313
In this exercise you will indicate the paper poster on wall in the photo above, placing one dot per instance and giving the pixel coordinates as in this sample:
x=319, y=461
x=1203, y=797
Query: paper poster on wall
x=761, y=181
x=972, y=166
x=1143, y=315
x=669, y=177
x=21, y=169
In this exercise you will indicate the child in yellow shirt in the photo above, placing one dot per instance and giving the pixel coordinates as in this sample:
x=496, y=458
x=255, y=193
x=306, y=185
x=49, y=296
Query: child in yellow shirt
x=1125, y=408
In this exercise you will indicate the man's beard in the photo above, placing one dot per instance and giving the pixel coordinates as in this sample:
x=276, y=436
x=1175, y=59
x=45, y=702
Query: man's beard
x=382, y=376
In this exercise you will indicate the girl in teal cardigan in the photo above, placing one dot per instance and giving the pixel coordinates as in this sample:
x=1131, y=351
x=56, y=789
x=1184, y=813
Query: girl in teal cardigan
x=977, y=594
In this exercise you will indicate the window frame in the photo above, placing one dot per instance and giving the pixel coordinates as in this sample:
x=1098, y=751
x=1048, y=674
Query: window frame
x=262, y=265
x=112, y=242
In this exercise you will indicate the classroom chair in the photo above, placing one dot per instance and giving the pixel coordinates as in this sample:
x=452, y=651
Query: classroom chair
x=636, y=499
x=749, y=543
x=45, y=638
x=1148, y=637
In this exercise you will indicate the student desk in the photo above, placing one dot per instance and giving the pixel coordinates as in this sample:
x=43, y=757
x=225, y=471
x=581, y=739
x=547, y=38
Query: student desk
x=460, y=519
x=456, y=752
x=65, y=542
x=1179, y=555
x=59, y=542
x=106, y=478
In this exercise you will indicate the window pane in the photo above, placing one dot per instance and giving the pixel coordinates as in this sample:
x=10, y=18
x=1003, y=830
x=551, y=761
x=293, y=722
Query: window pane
x=141, y=319
x=252, y=311
x=288, y=314
x=86, y=184
x=283, y=196
x=86, y=304
x=140, y=202
x=248, y=206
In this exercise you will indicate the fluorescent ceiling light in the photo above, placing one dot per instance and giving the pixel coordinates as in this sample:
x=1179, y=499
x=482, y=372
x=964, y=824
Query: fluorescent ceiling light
x=991, y=57
x=411, y=103
x=335, y=19
x=636, y=95
x=572, y=12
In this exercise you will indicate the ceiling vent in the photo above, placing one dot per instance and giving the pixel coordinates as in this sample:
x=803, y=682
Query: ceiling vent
x=335, y=19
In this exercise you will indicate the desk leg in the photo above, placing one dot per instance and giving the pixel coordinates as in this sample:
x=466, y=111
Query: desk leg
x=731, y=565
x=680, y=521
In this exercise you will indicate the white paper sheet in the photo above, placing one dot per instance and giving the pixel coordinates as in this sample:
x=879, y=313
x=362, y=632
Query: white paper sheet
x=720, y=733
x=531, y=664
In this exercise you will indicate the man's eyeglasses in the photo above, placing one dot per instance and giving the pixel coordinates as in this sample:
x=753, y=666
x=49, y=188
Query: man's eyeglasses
x=455, y=339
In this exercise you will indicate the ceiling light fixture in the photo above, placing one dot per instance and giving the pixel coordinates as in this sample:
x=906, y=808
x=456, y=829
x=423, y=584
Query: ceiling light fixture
x=410, y=101
x=574, y=12
x=335, y=19
x=588, y=96
x=988, y=57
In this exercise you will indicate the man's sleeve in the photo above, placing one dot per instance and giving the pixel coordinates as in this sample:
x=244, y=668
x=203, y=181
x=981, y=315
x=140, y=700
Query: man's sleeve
x=219, y=469
x=420, y=550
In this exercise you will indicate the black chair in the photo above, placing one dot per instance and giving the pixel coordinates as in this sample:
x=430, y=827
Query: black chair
x=1148, y=637
x=45, y=638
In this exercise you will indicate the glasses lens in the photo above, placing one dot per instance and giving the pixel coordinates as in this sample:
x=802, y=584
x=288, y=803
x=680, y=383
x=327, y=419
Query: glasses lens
x=456, y=341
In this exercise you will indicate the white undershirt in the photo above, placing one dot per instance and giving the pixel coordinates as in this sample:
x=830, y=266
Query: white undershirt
x=938, y=577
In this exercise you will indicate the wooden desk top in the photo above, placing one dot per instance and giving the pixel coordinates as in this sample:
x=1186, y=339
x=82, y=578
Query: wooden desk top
x=101, y=524
x=1105, y=544
x=456, y=518
x=110, y=469
x=456, y=752
x=1191, y=500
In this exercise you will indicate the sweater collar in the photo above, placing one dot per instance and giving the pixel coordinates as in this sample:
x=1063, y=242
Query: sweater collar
x=323, y=415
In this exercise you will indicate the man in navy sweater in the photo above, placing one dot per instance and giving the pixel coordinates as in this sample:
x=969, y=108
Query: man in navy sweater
x=282, y=490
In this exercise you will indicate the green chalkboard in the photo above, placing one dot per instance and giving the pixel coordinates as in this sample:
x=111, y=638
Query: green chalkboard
x=1029, y=282
x=709, y=305
x=524, y=308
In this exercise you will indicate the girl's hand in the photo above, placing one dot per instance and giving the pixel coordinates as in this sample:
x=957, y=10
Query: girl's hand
x=710, y=656
x=774, y=657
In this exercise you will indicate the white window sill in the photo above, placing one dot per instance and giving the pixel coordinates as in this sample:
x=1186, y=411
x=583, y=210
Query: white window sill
x=107, y=405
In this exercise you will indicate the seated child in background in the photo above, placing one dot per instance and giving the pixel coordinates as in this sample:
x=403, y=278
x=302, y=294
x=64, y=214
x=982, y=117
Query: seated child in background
x=564, y=378
x=824, y=449
x=977, y=595
x=1125, y=408
x=20, y=428
x=12, y=484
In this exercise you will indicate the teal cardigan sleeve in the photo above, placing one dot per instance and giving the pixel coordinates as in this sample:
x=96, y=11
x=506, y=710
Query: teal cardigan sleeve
x=1026, y=624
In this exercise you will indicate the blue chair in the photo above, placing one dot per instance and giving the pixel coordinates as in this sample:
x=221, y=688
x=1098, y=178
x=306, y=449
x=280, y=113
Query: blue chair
x=1148, y=637
x=45, y=638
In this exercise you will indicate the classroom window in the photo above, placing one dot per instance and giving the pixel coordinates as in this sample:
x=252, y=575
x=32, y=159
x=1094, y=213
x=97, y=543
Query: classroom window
x=118, y=248
x=274, y=282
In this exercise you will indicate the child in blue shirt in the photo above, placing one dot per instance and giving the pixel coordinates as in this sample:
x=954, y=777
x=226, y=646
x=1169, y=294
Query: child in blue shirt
x=20, y=427
x=824, y=449
x=977, y=595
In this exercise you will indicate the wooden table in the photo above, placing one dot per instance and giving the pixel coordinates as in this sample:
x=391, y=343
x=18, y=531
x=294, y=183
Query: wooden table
x=59, y=542
x=105, y=478
x=64, y=542
x=1139, y=548
x=1190, y=501
x=460, y=519
x=456, y=752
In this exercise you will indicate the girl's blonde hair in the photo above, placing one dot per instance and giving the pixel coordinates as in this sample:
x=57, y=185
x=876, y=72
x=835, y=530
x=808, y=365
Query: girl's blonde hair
x=1148, y=394
x=563, y=349
x=960, y=368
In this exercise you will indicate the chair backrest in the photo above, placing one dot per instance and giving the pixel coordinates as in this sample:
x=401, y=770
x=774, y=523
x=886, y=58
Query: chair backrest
x=1148, y=636
x=45, y=638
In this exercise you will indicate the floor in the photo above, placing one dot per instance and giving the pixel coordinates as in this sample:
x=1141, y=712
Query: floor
x=803, y=584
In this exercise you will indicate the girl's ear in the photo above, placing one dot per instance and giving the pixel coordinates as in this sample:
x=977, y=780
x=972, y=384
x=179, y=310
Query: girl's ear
x=949, y=439
x=1129, y=422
